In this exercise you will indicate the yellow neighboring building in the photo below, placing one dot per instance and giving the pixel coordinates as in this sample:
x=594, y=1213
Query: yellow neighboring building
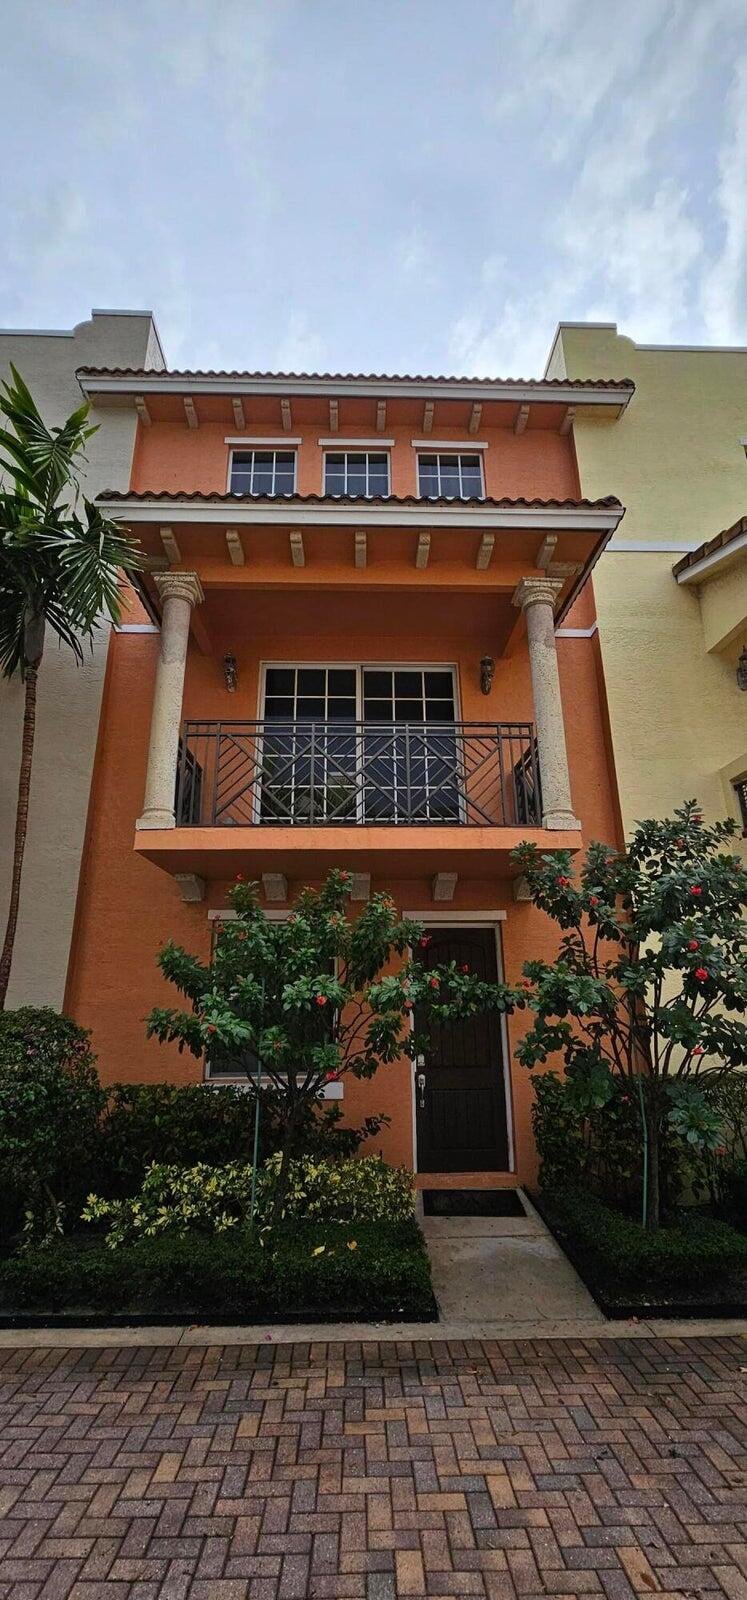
x=671, y=587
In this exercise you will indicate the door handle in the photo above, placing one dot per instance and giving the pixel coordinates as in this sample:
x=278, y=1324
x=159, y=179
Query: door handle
x=421, y=1089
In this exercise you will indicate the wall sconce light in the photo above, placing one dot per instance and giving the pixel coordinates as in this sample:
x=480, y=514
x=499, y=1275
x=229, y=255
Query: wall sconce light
x=742, y=670
x=487, y=674
x=230, y=672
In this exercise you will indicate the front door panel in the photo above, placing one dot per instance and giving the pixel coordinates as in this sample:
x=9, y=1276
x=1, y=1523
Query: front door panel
x=461, y=1109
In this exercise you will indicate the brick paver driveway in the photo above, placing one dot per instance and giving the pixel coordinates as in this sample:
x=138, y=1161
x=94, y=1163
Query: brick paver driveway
x=374, y=1471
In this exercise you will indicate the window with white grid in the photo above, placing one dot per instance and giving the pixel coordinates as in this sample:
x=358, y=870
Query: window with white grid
x=447, y=475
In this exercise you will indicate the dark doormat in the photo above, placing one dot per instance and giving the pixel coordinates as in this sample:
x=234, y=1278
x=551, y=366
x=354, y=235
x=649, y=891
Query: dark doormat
x=472, y=1203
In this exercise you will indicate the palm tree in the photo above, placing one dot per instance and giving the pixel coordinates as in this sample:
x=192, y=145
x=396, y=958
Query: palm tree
x=60, y=567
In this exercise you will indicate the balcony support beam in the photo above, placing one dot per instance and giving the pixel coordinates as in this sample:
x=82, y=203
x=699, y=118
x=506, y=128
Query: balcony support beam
x=179, y=592
x=536, y=597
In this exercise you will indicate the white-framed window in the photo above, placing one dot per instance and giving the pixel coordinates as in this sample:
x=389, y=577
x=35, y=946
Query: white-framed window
x=450, y=475
x=356, y=472
x=263, y=472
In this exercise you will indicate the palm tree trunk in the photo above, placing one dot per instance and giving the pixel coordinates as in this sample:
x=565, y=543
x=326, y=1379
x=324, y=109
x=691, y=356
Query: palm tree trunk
x=22, y=813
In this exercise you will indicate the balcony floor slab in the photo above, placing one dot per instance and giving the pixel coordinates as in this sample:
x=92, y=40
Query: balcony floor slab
x=397, y=852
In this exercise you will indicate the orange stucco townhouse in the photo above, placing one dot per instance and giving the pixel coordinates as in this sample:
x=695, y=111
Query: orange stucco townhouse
x=365, y=637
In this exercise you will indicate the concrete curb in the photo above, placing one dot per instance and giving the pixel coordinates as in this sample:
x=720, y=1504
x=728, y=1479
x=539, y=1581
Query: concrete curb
x=355, y=1332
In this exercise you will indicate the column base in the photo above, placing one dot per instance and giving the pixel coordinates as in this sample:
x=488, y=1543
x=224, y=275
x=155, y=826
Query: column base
x=156, y=819
x=561, y=821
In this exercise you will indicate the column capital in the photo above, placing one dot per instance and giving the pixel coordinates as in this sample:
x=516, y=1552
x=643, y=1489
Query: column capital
x=179, y=586
x=536, y=592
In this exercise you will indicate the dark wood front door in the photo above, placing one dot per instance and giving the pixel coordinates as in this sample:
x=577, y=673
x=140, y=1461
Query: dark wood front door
x=461, y=1108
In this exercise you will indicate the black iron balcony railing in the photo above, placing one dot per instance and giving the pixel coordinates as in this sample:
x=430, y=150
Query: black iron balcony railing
x=306, y=774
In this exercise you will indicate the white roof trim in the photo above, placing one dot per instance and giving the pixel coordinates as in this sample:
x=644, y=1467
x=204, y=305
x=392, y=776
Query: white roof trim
x=509, y=390
x=238, y=512
x=577, y=633
x=717, y=558
x=675, y=547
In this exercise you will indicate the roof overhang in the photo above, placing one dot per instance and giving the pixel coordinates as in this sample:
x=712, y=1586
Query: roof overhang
x=595, y=393
x=715, y=557
x=601, y=518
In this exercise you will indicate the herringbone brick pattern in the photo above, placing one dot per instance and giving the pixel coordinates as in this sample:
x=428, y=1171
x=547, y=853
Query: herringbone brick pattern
x=375, y=1471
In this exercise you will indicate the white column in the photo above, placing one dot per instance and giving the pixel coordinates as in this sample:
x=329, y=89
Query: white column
x=179, y=592
x=536, y=598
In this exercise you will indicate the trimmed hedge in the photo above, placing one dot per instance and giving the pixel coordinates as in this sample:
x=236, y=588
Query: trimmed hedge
x=318, y=1269
x=619, y=1251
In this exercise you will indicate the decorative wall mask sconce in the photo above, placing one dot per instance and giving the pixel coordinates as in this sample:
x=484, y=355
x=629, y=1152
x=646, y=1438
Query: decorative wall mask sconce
x=230, y=672
x=742, y=670
x=487, y=674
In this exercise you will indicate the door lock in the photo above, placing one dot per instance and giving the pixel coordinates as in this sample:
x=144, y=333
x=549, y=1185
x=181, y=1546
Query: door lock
x=421, y=1090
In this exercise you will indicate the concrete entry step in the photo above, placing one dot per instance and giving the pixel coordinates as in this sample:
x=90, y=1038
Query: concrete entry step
x=504, y=1269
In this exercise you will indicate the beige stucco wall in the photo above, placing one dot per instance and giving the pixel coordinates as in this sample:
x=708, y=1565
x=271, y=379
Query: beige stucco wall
x=678, y=720
x=69, y=696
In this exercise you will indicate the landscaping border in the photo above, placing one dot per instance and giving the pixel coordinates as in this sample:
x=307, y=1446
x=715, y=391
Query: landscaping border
x=621, y=1310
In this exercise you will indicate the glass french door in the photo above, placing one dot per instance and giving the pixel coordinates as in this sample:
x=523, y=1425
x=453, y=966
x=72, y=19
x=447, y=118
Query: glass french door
x=360, y=744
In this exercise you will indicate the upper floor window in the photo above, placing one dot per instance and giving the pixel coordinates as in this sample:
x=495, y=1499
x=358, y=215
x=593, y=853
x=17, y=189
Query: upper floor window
x=356, y=472
x=263, y=471
x=447, y=476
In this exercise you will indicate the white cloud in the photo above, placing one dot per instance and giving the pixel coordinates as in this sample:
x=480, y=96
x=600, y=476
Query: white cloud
x=724, y=296
x=622, y=241
x=301, y=348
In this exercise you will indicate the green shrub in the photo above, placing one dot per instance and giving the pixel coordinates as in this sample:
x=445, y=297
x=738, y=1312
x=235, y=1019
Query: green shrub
x=187, y=1124
x=366, y=1190
x=698, y=1250
x=212, y=1200
x=732, y=1192
x=320, y=1268
x=50, y=1104
x=598, y=1145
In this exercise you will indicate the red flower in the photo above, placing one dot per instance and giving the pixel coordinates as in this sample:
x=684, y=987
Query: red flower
x=239, y=877
x=696, y=889
x=465, y=969
x=321, y=999
x=331, y=1077
x=434, y=982
x=701, y=973
x=680, y=843
x=526, y=983
x=563, y=883
x=594, y=900
x=693, y=945
x=626, y=1099
x=425, y=941
x=697, y=1050
x=211, y=1027
x=720, y=1150
x=697, y=817
x=276, y=1045
x=408, y=1005
x=344, y=877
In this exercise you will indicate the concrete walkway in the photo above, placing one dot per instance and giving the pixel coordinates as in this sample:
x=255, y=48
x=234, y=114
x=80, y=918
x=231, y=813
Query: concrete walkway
x=505, y=1269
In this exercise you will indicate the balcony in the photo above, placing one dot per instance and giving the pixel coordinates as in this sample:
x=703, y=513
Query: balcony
x=340, y=775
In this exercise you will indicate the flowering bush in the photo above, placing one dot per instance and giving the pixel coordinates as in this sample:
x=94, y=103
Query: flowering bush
x=203, y=1199
x=649, y=988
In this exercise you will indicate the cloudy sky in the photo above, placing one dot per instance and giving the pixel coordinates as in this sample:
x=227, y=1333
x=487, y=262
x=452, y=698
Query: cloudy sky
x=387, y=185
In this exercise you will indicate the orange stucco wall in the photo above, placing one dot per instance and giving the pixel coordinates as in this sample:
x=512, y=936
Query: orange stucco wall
x=540, y=462
x=128, y=907
x=265, y=612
